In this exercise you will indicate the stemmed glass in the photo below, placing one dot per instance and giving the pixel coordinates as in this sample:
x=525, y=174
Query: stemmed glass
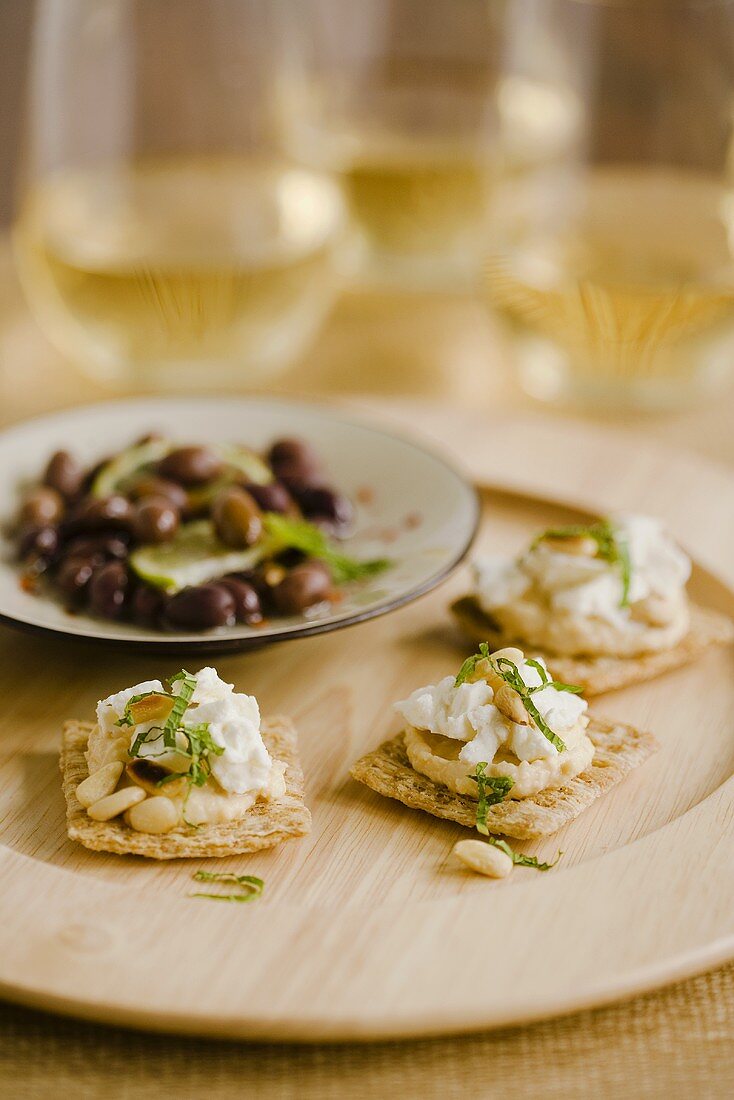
x=165, y=239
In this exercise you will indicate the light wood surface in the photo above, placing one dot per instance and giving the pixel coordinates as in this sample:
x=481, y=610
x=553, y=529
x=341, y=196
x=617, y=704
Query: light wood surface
x=366, y=928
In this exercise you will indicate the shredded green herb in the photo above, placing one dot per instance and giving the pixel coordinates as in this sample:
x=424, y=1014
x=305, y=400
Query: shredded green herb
x=611, y=546
x=519, y=859
x=470, y=664
x=249, y=886
x=492, y=789
x=298, y=534
x=510, y=673
x=126, y=718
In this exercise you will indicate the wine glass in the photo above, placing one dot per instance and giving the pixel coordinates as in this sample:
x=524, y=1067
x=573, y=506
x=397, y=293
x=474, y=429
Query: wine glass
x=611, y=262
x=164, y=237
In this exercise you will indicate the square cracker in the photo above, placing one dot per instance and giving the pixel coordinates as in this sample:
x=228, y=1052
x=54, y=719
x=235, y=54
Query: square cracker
x=619, y=749
x=264, y=825
x=599, y=674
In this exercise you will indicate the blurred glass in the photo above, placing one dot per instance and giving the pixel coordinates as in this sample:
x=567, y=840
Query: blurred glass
x=164, y=238
x=611, y=263
x=401, y=97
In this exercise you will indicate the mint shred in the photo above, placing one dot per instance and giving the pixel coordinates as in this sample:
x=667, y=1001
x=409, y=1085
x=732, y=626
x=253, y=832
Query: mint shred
x=181, y=705
x=519, y=859
x=249, y=887
x=126, y=718
x=492, y=789
x=298, y=534
x=469, y=666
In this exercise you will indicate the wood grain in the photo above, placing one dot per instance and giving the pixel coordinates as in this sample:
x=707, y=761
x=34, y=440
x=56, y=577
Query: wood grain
x=366, y=927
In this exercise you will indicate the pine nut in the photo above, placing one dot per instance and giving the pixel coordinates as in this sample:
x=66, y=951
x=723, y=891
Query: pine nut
x=484, y=858
x=511, y=653
x=99, y=784
x=155, y=815
x=578, y=546
x=509, y=703
x=107, y=808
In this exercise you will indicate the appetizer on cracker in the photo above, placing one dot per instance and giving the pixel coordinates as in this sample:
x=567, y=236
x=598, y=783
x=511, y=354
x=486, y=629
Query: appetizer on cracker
x=187, y=769
x=604, y=603
x=502, y=747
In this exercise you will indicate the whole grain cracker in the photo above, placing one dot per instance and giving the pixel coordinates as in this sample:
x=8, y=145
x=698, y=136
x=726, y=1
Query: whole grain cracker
x=599, y=674
x=265, y=824
x=618, y=749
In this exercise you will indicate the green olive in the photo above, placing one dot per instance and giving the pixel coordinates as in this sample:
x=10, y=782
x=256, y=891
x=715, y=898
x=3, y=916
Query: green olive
x=237, y=517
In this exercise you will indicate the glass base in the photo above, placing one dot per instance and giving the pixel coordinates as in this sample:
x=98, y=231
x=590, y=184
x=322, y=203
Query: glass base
x=548, y=375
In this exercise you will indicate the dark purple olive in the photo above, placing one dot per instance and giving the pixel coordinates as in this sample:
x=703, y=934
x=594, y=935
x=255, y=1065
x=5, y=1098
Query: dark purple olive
x=151, y=486
x=93, y=513
x=155, y=520
x=41, y=507
x=105, y=545
x=108, y=590
x=236, y=517
x=271, y=498
x=295, y=458
x=201, y=608
x=148, y=605
x=318, y=503
x=191, y=465
x=38, y=542
x=246, y=600
x=306, y=584
x=64, y=474
x=74, y=575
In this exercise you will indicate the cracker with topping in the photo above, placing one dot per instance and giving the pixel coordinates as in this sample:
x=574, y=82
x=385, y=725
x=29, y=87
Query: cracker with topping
x=618, y=750
x=268, y=822
x=597, y=675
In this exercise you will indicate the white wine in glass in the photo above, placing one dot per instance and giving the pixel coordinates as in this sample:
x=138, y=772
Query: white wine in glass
x=194, y=253
x=614, y=273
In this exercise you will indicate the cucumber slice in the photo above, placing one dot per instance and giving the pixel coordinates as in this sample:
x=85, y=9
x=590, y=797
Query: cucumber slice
x=120, y=471
x=195, y=556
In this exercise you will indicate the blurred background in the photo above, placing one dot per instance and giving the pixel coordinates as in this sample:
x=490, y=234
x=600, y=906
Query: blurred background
x=517, y=205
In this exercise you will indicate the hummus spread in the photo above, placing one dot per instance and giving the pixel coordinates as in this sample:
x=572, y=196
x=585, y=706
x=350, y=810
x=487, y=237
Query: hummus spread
x=451, y=727
x=563, y=596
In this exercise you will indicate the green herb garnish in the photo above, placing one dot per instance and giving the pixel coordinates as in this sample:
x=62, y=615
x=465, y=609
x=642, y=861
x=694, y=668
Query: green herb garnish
x=249, y=886
x=183, y=698
x=610, y=546
x=519, y=859
x=492, y=789
x=510, y=673
x=126, y=718
x=299, y=534
x=470, y=664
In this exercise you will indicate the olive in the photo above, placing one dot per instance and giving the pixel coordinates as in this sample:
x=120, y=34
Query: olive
x=201, y=608
x=321, y=503
x=93, y=513
x=64, y=474
x=74, y=575
x=306, y=584
x=151, y=486
x=148, y=605
x=271, y=498
x=42, y=507
x=155, y=520
x=38, y=542
x=191, y=465
x=237, y=518
x=108, y=590
x=246, y=600
x=104, y=545
x=294, y=457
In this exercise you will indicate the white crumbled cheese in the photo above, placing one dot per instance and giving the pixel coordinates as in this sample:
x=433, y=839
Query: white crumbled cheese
x=467, y=713
x=233, y=719
x=585, y=586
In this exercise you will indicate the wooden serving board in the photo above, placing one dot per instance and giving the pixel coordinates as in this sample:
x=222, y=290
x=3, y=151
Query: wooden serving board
x=366, y=928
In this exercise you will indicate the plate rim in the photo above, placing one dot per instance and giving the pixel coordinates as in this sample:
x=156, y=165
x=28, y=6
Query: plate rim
x=223, y=644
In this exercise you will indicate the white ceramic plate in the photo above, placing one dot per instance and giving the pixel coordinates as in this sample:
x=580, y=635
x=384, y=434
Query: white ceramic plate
x=415, y=508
